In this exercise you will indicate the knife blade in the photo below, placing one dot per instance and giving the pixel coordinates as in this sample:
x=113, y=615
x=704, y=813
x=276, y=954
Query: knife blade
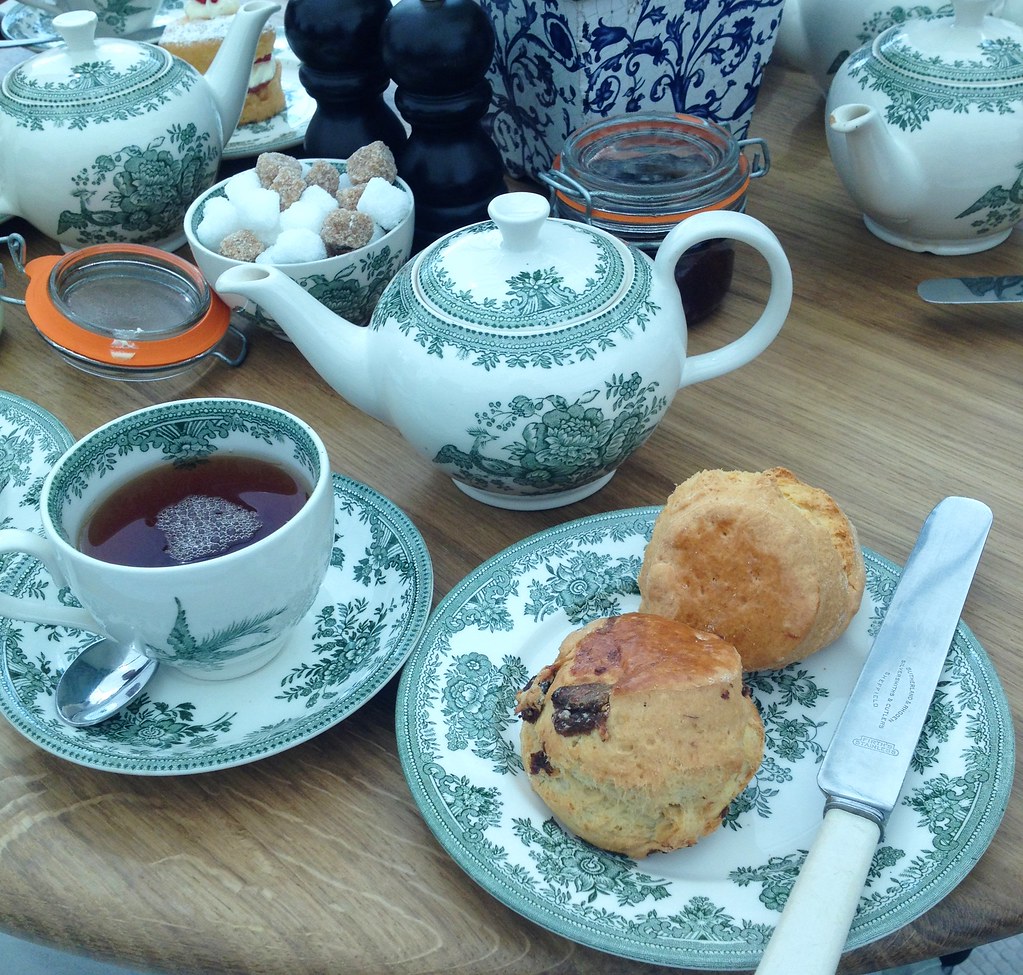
x=866, y=763
x=962, y=291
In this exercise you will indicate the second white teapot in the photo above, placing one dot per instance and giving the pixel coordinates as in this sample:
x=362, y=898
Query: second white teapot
x=925, y=128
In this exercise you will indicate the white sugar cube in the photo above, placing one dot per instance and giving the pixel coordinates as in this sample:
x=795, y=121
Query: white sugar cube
x=309, y=210
x=298, y=245
x=220, y=217
x=388, y=205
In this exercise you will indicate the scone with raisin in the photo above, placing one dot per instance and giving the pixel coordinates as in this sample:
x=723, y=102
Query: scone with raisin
x=639, y=735
x=768, y=563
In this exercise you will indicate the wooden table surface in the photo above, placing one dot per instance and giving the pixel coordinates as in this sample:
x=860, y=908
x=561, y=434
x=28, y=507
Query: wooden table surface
x=316, y=860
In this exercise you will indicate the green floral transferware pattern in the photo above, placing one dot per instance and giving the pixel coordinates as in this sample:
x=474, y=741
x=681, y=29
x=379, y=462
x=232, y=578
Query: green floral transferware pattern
x=573, y=317
x=558, y=445
x=712, y=906
x=369, y=614
x=136, y=192
x=916, y=86
x=31, y=441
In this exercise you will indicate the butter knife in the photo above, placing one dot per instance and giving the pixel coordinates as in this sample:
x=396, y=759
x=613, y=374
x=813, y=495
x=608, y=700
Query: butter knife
x=865, y=765
x=962, y=291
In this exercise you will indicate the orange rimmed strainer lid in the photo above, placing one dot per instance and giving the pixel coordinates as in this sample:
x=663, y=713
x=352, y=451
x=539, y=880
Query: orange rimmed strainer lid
x=125, y=306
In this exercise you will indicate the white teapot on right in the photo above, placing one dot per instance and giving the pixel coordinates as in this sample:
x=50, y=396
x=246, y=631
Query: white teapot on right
x=925, y=128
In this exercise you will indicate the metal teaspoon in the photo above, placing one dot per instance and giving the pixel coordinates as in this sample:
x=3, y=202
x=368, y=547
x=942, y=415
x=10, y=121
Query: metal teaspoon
x=100, y=681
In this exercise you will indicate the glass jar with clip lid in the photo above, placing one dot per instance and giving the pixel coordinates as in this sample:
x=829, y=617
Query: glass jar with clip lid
x=637, y=176
x=125, y=311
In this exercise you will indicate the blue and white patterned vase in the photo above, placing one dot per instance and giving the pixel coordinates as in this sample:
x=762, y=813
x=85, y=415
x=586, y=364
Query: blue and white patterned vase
x=561, y=63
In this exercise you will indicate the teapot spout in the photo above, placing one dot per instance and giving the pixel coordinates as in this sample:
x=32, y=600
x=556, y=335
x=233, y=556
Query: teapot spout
x=228, y=75
x=880, y=174
x=336, y=348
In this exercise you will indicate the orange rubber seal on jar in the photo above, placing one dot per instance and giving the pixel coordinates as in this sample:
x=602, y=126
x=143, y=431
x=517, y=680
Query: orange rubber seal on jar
x=634, y=219
x=126, y=353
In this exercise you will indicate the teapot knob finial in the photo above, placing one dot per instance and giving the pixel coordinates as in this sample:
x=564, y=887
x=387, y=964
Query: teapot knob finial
x=519, y=217
x=78, y=28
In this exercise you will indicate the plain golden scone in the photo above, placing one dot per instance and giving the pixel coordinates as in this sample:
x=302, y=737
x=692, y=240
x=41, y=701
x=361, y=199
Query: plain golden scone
x=770, y=564
x=639, y=735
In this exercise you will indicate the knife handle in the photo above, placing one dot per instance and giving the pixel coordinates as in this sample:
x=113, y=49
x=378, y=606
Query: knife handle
x=814, y=926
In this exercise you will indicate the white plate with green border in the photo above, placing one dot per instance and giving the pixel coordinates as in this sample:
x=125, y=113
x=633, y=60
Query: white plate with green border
x=714, y=905
x=370, y=612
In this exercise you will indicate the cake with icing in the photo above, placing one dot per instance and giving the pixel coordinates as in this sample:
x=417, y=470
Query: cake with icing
x=196, y=38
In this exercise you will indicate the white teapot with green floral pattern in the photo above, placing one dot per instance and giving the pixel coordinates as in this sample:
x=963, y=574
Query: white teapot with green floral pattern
x=106, y=140
x=524, y=356
x=925, y=128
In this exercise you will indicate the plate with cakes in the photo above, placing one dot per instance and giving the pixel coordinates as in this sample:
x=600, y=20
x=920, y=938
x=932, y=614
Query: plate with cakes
x=277, y=108
x=614, y=726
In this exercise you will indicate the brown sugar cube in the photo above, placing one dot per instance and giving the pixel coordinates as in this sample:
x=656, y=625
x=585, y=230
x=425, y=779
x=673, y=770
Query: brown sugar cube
x=346, y=230
x=269, y=164
x=372, y=160
x=289, y=186
x=348, y=198
x=322, y=174
x=242, y=245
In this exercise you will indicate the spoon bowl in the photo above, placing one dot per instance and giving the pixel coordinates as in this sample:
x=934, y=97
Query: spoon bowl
x=100, y=681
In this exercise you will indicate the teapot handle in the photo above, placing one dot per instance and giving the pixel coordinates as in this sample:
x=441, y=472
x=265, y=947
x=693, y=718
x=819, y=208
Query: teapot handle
x=711, y=225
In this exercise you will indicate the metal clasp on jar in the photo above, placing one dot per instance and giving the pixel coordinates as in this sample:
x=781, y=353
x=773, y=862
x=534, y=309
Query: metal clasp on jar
x=559, y=181
x=16, y=246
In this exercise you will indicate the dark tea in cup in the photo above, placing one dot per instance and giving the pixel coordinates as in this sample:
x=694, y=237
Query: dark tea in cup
x=181, y=513
x=198, y=530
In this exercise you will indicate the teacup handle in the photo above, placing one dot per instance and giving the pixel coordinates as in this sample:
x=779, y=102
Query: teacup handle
x=15, y=540
x=731, y=225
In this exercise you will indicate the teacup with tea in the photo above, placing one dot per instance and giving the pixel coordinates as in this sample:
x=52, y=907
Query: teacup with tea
x=199, y=531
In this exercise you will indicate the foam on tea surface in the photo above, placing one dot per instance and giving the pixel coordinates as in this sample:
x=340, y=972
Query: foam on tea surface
x=176, y=514
x=200, y=527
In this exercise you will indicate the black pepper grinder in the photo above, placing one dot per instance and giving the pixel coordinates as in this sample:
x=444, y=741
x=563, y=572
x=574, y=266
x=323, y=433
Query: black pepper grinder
x=338, y=43
x=438, y=52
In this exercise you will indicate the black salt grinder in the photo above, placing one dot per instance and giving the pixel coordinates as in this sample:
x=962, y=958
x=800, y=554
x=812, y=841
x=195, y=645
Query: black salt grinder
x=438, y=52
x=338, y=43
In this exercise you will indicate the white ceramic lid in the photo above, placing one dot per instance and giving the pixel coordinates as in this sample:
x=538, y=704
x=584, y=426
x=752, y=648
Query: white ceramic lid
x=524, y=273
x=88, y=76
x=969, y=48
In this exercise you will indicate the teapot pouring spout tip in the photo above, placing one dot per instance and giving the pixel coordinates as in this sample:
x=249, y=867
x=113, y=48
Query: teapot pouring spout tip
x=850, y=118
x=336, y=348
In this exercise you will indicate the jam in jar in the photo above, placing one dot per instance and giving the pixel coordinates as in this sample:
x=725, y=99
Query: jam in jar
x=637, y=176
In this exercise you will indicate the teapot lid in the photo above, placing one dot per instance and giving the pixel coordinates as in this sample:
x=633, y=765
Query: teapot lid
x=89, y=79
x=968, y=49
x=521, y=277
